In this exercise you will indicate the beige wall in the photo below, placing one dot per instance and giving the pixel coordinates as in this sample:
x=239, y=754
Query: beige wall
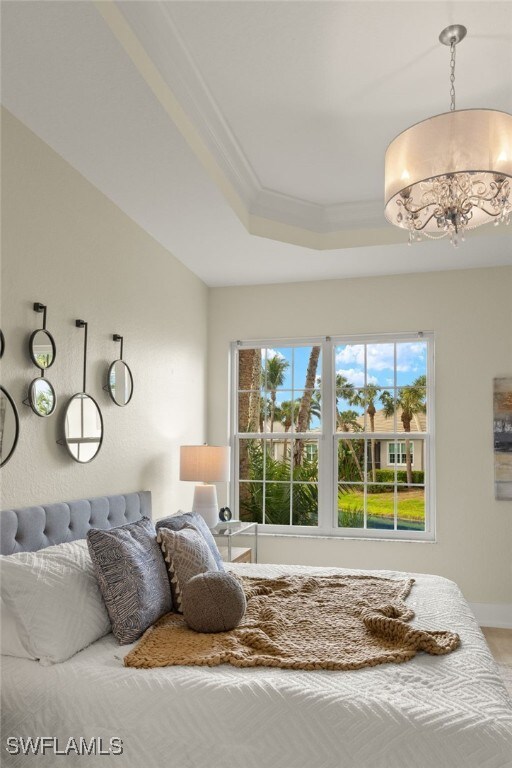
x=471, y=314
x=68, y=246
x=65, y=244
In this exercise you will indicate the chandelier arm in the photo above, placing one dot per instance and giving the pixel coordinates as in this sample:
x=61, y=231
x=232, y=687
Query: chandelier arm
x=418, y=229
x=489, y=213
x=414, y=211
x=480, y=198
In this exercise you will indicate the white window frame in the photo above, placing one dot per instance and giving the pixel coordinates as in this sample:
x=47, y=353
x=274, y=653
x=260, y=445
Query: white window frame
x=400, y=453
x=328, y=439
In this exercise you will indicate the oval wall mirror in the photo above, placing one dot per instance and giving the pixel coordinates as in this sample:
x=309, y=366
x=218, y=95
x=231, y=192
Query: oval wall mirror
x=2, y=343
x=41, y=397
x=9, y=426
x=41, y=394
x=41, y=345
x=83, y=422
x=83, y=428
x=120, y=379
x=42, y=349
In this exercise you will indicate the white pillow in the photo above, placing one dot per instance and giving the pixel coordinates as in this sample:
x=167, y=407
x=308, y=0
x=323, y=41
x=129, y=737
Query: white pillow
x=54, y=599
x=10, y=643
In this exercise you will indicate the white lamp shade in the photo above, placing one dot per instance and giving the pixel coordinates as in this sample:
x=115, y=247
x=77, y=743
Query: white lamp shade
x=464, y=141
x=206, y=463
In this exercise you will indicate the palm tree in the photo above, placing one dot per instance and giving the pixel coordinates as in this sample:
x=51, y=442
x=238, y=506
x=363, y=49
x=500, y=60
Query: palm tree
x=315, y=408
x=304, y=416
x=410, y=401
x=288, y=411
x=249, y=408
x=248, y=383
x=344, y=389
x=274, y=372
x=366, y=399
x=347, y=421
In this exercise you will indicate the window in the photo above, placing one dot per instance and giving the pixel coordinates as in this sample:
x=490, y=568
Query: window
x=397, y=453
x=333, y=436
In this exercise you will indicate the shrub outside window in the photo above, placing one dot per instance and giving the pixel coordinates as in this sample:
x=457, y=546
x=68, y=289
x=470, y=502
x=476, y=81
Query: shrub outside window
x=334, y=436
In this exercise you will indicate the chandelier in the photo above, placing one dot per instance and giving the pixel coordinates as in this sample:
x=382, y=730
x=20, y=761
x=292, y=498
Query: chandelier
x=451, y=172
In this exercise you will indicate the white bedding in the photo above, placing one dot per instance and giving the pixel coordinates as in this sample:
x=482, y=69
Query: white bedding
x=444, y=711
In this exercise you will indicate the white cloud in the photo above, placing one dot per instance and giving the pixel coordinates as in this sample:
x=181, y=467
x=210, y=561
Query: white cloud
x=351, y=353
x=381, y=357
x=411, y=356
x=355, y=377
x=271, y=353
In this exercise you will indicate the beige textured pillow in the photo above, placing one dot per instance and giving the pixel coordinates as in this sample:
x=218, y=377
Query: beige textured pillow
x=186, y=555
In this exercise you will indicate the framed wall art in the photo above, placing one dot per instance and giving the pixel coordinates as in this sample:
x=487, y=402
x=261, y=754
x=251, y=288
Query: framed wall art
x=503, y=438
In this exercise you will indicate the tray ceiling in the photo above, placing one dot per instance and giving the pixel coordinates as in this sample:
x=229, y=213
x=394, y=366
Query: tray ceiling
x=212, y=122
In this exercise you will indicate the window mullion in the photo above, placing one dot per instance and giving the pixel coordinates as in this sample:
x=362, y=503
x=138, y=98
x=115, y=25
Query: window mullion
x=326, y=481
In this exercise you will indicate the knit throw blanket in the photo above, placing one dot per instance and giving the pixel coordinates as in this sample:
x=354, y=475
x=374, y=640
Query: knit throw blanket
x=302, y=622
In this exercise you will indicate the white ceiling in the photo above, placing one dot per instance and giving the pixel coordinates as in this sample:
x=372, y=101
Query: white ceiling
x=239, y=133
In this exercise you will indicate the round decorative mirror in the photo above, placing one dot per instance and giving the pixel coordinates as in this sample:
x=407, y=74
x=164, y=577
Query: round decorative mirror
x=83, y=428
x=42, y=349
x=83, y=422
x=120, y=383
x=41, y=394
x=9, y=426
x=119, y=379
x=41, y=397
x=2, y=343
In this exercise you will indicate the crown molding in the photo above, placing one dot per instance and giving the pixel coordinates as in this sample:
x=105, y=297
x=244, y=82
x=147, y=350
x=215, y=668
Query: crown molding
x=185, y=79
x=177, y=83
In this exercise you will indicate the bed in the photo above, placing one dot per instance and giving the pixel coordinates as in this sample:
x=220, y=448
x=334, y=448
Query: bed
x=444, y=711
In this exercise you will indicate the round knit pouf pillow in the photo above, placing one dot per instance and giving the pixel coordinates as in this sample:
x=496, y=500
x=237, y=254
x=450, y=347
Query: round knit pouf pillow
x=213, y=602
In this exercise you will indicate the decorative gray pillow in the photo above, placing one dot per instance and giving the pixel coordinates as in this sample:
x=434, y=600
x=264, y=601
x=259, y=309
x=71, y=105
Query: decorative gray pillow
x=213, y=602
x=132, y=577
x=177, y=522
x=186, y=554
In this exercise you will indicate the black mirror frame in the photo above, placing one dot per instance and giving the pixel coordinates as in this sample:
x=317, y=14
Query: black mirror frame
x=2, y=343
x=31, y=351
x=109, y=388
x=17, y=422
x=30, y=399
x=65, y=441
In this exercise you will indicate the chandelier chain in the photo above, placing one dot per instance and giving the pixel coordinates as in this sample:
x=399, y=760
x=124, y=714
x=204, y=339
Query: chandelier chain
x=452, y=73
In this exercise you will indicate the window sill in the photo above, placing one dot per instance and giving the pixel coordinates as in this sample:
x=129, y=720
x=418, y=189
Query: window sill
x=343, y=537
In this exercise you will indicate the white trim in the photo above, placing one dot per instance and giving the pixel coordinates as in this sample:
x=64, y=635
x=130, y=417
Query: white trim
x=184, y=78
x=389, y=443
x=327, y=485
x=493, y=614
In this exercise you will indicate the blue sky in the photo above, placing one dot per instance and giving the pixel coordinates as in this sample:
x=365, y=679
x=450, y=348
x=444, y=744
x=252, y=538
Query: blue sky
x=411, y=363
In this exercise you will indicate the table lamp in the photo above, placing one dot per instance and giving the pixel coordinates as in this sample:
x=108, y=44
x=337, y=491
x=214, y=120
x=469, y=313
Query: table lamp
x=209, y=464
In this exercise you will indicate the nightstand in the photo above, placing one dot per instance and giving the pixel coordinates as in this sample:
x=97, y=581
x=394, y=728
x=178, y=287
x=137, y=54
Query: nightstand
x=224, y=533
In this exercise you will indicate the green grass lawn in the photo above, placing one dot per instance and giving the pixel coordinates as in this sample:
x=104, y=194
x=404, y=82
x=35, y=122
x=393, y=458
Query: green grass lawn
x=411, y=504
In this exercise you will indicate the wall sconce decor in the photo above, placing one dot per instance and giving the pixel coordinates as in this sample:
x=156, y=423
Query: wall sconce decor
x=119, y=379
x=42, y=349
x=83, y=422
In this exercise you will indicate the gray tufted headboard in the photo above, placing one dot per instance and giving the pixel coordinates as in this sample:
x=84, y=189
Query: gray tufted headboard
x=33, y=528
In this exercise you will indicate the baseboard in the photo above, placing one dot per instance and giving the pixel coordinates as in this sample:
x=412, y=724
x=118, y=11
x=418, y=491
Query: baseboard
x=493, y=614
